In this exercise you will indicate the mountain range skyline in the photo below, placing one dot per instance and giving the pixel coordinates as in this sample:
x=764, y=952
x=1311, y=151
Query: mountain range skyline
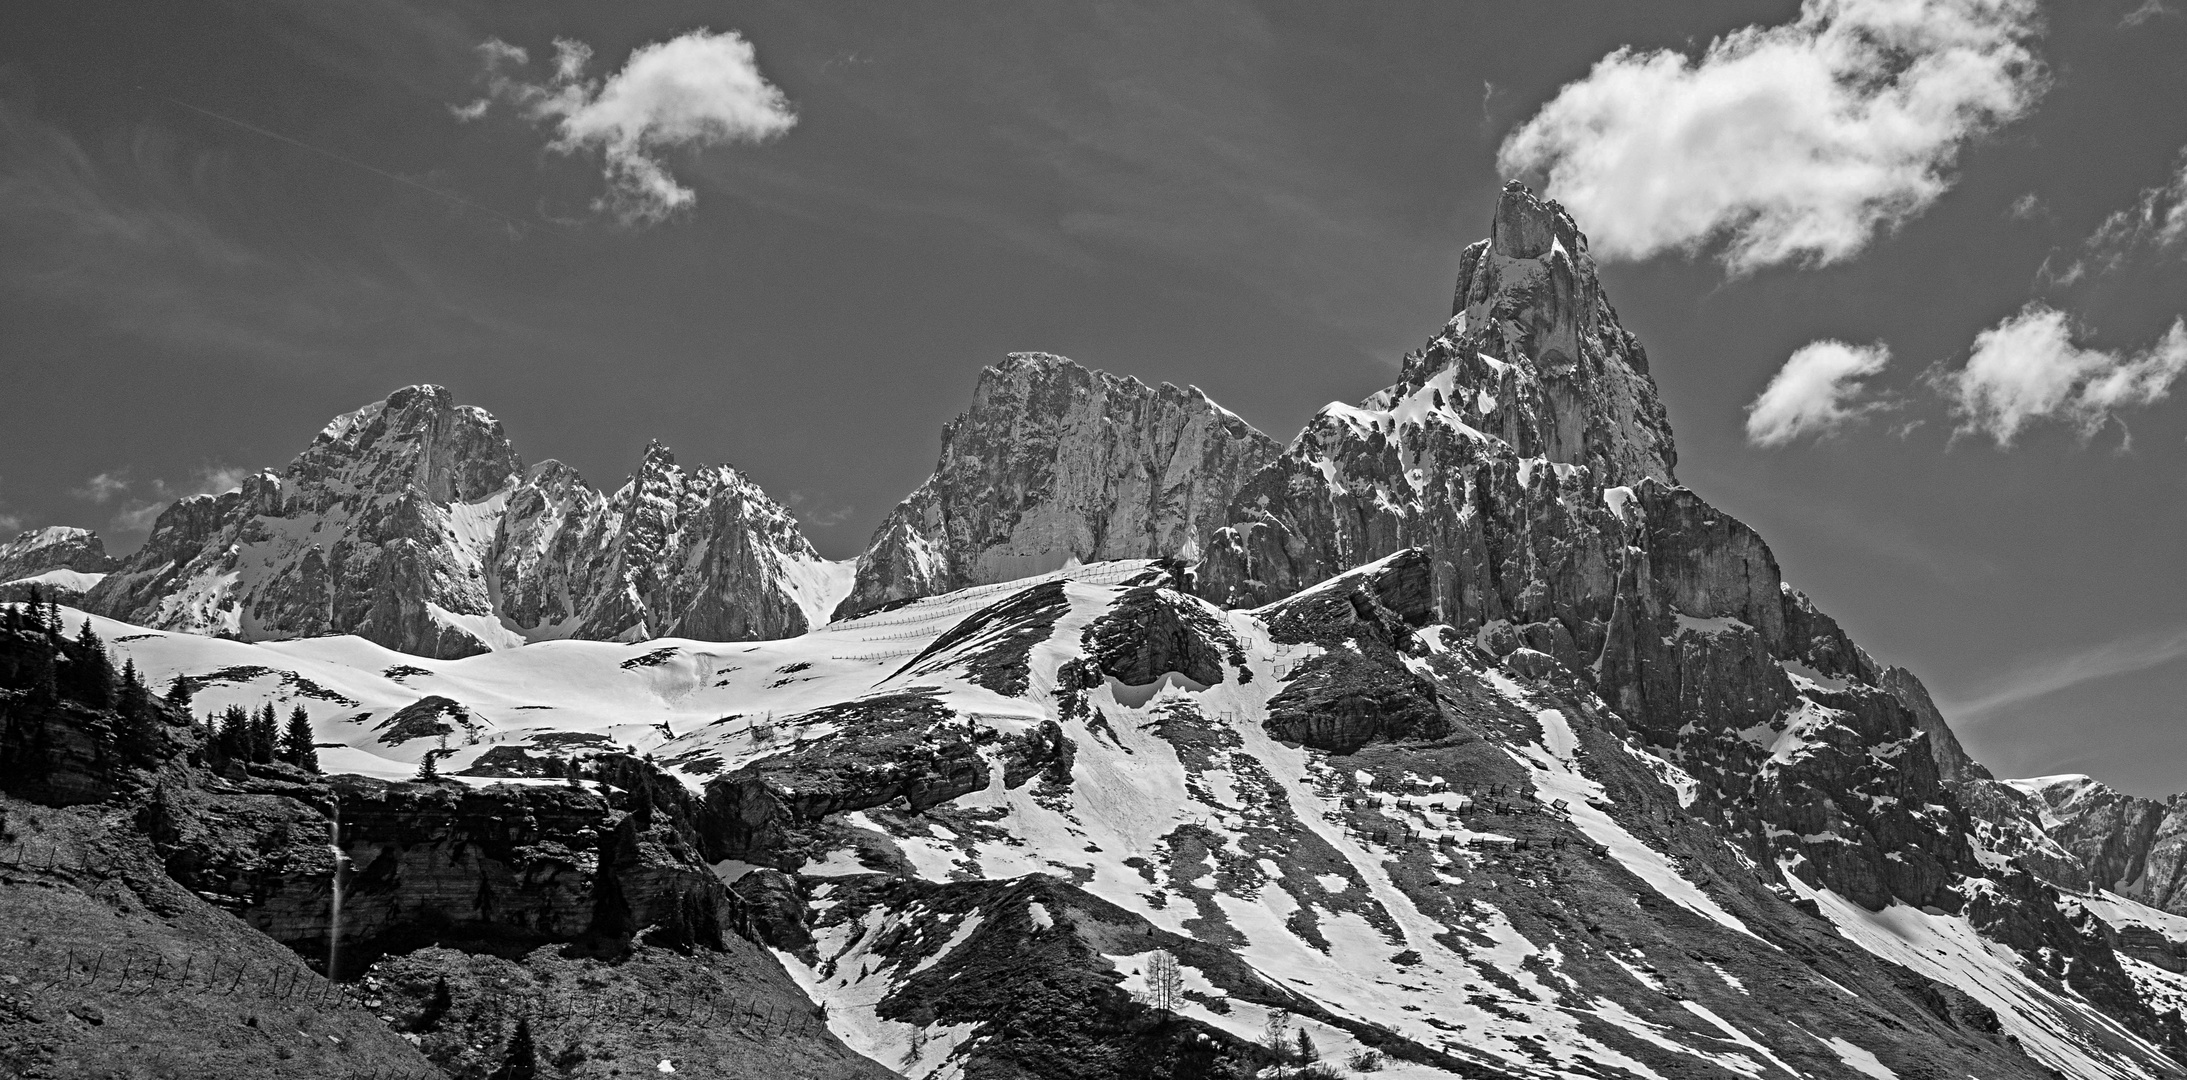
x=1570, y=542
x=201, y=295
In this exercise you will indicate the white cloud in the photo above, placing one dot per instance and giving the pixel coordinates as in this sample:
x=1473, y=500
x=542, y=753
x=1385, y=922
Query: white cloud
x=103, y=487
x=2027, y=368
x=1815, y=392
x=1783, y=143
x=138, y=516
x=700, y=89
x=138, y=512
x=2156, y=221
x=216, y=479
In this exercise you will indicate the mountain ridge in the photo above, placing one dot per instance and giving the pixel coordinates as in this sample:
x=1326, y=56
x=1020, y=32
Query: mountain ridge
x=414, y=523
x=1455, y=699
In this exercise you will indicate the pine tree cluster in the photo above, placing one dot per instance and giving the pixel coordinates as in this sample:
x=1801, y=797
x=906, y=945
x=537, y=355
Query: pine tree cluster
x=50, y=668
x=39, y=660
x=259, y=736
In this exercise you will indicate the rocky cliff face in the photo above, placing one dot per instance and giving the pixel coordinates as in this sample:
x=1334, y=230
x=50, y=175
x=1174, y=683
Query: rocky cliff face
x=375, y=529
x=413, y=523
x=1055, y=463
x=56, y=547
x=62, y=563
x=2126, y=844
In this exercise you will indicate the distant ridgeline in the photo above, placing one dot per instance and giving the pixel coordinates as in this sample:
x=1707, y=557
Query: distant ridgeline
x=1452, y=737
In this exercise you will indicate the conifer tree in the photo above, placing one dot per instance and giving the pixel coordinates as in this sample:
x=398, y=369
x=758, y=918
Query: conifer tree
x=139, y=727
x=33, y=604
x=90, y=670
x=44, y=683
x=179, y=694
x=296, y=742
x=522, y=1060
x=265, y=731
x=429, y=769
x=134, y=700
x=235, y=733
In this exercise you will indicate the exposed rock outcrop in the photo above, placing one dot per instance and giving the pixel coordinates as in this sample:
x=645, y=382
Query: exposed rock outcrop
x=1056, y=463
x=905, y=749
x=1356, y=688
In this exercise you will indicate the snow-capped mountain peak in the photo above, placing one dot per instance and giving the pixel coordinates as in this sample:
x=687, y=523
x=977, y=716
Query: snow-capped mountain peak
x=413, y=522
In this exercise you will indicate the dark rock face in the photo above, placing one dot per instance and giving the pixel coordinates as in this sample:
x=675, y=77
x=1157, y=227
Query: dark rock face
x=998, y=639
x=905, y=748
x=1055, y=462
x=428, y=717
x=443, y=862
x=502, y=867
x=778, y=910
x=1153, y=631
x=413, y=523
x=1357, y=689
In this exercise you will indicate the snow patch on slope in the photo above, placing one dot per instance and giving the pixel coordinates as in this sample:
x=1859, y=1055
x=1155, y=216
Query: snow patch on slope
x=1947, y=949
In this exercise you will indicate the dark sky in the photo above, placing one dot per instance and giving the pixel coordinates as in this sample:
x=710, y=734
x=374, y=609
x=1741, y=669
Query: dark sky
x=1265, y=200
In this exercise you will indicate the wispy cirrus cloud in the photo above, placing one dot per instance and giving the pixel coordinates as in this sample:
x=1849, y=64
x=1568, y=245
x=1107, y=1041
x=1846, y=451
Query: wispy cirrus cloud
x=135, y=228
x=2155, y=224
x=2145, y=11
x=697, y=90
x=2047, y=675
x=1778, y=144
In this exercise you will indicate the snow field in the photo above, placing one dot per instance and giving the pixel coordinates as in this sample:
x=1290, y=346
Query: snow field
x=1947, y=949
